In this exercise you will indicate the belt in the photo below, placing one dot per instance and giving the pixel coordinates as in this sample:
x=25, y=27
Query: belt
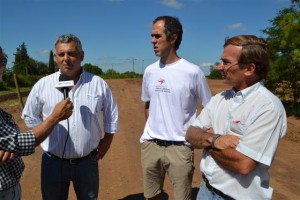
x=71, y=160
x=166, y=143
x=214, y=190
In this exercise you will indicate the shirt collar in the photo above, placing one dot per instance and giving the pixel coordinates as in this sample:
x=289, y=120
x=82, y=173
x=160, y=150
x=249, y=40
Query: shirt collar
x=247, y=92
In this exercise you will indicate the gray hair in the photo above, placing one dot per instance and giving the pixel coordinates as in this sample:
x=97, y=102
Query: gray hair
x=66, y=38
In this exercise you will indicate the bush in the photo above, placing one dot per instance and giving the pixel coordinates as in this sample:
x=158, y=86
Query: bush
x=23, y=80
x=215, y=74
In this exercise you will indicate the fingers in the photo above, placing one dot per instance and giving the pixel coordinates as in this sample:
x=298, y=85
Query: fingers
x=63, y=110
x=211, y=130
x=6, y=156
x=100, y=153
x=68, y=107
x=233, y=144
x=226, y=141
x=233, y=141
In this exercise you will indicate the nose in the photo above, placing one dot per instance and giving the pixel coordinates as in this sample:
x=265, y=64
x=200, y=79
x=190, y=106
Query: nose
x=153, y=40
x=66, y=57
x=220, y=67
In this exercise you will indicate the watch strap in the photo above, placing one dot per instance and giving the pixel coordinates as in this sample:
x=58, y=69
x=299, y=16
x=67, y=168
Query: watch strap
x=215, y=137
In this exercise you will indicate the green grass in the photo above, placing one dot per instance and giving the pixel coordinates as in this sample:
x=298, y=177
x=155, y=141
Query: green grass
x=14, y=90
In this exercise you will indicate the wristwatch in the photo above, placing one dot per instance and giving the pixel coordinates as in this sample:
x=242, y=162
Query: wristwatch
x=215, y=137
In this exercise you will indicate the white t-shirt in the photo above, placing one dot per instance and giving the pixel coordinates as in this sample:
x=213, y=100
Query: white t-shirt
x=173, y=91
x=258, y=117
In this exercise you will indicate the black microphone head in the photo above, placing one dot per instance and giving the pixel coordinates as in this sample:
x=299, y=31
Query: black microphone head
x=63, y=77
x=64, y=84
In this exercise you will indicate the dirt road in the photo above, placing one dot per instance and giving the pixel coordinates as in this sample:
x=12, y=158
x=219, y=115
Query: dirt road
x=120, y=170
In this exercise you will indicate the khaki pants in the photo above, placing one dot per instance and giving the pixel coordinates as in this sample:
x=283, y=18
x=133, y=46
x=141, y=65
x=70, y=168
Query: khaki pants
x=175, y=160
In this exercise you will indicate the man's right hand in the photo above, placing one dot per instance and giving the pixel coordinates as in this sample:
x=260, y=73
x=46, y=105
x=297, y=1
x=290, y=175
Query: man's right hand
x=226, y=141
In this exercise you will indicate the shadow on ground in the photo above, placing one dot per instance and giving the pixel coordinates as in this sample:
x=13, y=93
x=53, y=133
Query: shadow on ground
x=165, y=196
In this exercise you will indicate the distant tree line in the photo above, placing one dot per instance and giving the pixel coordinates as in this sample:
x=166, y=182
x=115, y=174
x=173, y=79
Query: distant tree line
x=29, y=71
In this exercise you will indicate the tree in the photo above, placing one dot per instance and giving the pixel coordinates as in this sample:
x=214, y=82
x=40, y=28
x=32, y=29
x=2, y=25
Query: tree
x=21, y=60
x=111, y=72
x=93, y=69
x=51, y=63
x=283, y=38
x=37, y=67
x=214, y=73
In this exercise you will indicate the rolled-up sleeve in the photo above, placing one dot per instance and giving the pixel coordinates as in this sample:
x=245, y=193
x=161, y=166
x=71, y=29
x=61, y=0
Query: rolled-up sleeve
x=26, y=143
x=111, y=113
x=12, y=140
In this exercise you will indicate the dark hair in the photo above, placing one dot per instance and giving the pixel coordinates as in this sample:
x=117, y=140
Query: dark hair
x=66, y=38
x=172, y=26
x=254, y=50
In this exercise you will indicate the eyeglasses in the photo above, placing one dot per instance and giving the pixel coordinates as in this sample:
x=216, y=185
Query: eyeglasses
x=225, y=67
x=3, y=61
x=227, y=64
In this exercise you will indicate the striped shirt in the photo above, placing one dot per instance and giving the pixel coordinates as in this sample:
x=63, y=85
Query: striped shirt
x=94, y=109
x=21, y=144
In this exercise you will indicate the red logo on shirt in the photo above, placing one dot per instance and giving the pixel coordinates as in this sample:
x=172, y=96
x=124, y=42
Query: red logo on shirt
x=161, y=81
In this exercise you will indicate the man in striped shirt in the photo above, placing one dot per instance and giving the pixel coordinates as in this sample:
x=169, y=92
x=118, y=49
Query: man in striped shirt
x=72, y=151
x=14, y=144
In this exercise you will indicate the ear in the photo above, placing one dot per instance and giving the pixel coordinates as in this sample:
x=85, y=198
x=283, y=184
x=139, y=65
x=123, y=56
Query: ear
x=82, y=55
x=54, y=56
x=173, y=39
x=249, y=70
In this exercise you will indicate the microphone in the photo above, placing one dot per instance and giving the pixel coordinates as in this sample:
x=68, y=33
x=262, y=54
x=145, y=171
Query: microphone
x=64, y=85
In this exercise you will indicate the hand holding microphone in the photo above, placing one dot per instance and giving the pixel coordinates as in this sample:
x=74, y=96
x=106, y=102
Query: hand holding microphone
x=63, y=110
